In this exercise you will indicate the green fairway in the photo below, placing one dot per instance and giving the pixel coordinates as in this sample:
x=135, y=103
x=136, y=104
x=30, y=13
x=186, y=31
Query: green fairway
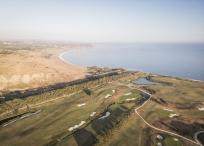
x=103, y=113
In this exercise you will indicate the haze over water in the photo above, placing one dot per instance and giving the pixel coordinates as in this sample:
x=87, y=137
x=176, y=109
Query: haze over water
x=182, y=60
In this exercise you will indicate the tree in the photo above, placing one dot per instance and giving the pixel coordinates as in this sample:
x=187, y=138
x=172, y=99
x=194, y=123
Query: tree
x=87, y=91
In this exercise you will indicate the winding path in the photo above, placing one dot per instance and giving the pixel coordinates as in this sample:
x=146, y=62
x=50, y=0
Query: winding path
x=196, y=136
x=165, y=131
x=39, y=104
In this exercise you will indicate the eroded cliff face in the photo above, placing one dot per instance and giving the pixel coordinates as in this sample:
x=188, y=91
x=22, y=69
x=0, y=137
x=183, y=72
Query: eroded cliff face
x=28, y=69
x=24, y=79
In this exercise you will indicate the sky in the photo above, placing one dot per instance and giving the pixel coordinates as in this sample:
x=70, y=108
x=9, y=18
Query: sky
x=103, y=20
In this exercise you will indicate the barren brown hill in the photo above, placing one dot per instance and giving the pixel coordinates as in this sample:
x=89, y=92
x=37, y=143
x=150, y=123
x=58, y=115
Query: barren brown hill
x=21, y=69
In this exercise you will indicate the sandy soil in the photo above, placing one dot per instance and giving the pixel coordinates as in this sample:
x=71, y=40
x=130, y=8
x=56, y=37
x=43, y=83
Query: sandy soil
x=33, y=68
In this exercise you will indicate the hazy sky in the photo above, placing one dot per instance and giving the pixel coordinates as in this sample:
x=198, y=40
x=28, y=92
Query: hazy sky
x=103, y=20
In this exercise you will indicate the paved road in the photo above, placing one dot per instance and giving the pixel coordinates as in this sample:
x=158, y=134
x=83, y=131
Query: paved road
x=196, y=136
x=196, y=142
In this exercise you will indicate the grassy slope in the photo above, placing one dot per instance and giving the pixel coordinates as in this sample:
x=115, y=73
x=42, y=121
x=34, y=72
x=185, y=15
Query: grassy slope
x=44, y=128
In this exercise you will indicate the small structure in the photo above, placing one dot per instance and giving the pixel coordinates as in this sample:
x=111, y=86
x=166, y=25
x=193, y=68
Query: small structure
x=159, y=137
x=113, y=91
x=175, y=139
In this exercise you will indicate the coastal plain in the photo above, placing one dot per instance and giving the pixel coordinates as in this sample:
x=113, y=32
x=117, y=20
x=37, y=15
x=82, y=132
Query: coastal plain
x=105, y=112
x=81, y=106
x=25, y=65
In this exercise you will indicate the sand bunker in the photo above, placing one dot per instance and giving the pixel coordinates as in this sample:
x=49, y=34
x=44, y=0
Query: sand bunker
x=166, y=109
x=108, y=95
x=92, y=114
x=173, y=115
x=130, y=99
x=105, y=116
x=128, y=94
x=201, y=108
x=82, y=104
x=77, y=126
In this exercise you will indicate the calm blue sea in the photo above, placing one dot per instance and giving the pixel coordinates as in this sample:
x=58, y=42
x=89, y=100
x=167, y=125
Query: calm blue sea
x=182, y=60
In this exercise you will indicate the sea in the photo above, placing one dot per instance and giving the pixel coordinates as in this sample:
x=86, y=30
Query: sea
x=184, y=60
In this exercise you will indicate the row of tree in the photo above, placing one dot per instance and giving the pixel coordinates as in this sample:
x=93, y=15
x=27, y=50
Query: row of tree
x=32, y=100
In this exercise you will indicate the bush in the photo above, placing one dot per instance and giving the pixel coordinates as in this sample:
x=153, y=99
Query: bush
x=87, y=91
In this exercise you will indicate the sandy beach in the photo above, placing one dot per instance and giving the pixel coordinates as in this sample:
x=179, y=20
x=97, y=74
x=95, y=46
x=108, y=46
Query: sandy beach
x=34, y=68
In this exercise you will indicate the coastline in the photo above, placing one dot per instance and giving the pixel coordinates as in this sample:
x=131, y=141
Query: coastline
x=60, y=56
x=181, y=78
x=36, y=69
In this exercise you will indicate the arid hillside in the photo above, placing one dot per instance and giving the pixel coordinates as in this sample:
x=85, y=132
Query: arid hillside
x=29, y=65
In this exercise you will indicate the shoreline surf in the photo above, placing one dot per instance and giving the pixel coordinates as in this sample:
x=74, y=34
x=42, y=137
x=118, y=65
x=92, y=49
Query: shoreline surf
x=132, y=69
